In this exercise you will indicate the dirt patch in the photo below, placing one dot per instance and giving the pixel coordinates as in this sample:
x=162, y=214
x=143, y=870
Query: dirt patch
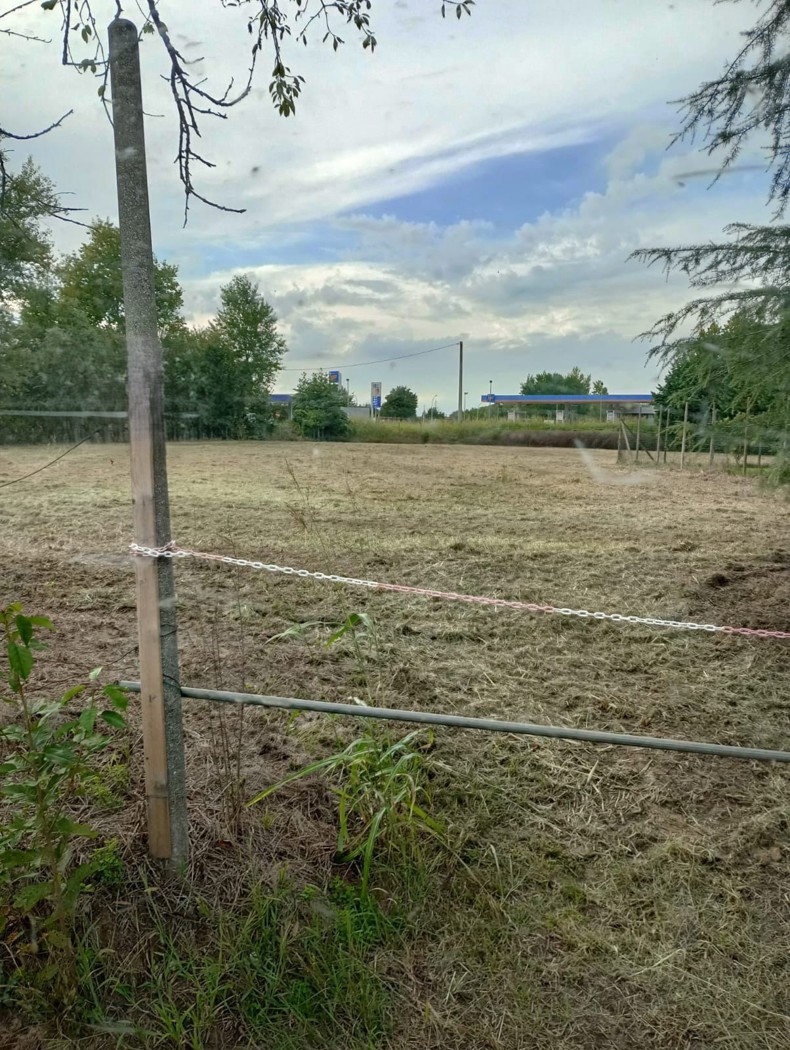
x=748, y=594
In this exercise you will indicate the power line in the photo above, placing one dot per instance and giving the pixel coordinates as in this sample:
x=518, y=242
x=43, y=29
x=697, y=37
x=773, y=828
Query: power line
x=15, y=481
x=378, y=361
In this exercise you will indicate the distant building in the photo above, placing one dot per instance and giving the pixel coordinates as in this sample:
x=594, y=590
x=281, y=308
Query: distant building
x=617, y=405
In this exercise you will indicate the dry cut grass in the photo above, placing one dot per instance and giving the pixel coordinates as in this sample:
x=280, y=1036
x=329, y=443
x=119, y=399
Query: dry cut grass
x=590, y=897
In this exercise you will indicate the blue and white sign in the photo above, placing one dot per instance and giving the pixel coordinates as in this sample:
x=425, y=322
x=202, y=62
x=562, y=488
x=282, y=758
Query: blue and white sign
x=375, y=396
x=335, y=376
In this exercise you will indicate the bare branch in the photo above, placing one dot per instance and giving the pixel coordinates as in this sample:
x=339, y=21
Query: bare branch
x=19, y=7
x=4, y=134
x=25, y=36
x=270, y=25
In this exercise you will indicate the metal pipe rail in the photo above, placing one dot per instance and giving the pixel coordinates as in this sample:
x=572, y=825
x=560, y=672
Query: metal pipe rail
x=588, y=736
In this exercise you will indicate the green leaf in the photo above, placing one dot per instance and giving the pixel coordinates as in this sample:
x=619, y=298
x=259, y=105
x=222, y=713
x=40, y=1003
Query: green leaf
x=15, y=858
x=116, y=696
x=67, y=826
x=60, y=754
x=71, y=693
x=95, y=674
x=42, y=621
x=20, y=659
x=29, y=896
x=76, y=881
x=25, y=628
x=112, y=718
x=87, y=719
x=58, y=939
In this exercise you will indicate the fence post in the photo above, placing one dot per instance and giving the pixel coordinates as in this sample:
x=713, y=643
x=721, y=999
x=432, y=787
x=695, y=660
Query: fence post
x=638, y=429
x=163, y=743
x=683, y=439
x=711, y=454
x=658, y=434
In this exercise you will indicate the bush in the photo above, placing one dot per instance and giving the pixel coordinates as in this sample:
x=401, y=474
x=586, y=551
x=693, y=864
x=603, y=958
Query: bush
x=47, y=762
x=318, y=408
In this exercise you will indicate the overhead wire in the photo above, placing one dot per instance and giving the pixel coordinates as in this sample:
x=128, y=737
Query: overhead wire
x=378, y=361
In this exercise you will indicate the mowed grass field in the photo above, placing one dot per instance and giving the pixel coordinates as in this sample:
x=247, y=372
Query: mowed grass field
x=588, y=897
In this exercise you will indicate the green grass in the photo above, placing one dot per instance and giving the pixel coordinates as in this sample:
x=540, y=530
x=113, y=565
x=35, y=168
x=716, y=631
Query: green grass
x=279, y=967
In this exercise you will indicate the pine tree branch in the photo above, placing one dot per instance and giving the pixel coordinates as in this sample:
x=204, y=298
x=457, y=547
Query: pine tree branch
x=752, y=94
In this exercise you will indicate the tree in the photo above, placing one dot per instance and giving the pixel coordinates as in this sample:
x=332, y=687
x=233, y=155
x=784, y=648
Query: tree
x=575, y=382
x=25, y=248
x=752, y=95
x=248, y=324
x=400, y=403
x=318, y=407
x=436, y=413
x=90, y=280
x=219, y=388
x=272, y=25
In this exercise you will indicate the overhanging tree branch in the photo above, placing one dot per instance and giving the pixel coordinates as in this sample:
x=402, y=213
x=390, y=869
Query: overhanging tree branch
x=271, y=25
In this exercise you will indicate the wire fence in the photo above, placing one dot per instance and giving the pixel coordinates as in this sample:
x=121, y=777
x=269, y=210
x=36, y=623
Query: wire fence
x=171, y=550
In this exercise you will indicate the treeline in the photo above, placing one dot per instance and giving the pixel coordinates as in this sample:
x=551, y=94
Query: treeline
x=735, y=379
x=62, y=334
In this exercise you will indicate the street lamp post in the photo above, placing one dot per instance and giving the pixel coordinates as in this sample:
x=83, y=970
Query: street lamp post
x=490, y=395
x=466, y=392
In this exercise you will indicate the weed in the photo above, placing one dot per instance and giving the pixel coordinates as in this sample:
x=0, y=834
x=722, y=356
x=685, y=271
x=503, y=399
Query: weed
x=108, y=867
x=48, y=762
x=379, y=793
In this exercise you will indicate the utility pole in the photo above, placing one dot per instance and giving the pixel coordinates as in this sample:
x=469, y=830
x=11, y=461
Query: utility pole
x=160, y=698
x=460, y=380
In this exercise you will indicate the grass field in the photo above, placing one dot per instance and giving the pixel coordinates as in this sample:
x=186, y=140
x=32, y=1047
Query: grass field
x=586, y=897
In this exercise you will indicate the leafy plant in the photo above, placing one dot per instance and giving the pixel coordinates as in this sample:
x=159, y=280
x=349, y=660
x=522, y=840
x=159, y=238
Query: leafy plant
x=47, y=763
x=379, y=795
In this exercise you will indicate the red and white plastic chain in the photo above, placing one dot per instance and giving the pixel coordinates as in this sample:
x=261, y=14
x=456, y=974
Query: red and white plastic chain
x=170, y=550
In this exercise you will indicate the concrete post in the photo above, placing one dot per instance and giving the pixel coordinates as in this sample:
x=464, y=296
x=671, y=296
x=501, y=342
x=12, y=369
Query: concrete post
x=163, y=742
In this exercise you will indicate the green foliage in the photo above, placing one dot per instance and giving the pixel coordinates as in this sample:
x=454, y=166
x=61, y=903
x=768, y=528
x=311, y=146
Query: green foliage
x=378, y=785
x=400, y=403
x=90, y=281
x=107, y=867
x=248, y=324
x=750, y=269
x=25, y=248
x=724, y=369
x=575, y=382
x=47, y=761
x=226, y=370
x=284, y=968
x=63, y=346
x=318, y=407
x=435, y=413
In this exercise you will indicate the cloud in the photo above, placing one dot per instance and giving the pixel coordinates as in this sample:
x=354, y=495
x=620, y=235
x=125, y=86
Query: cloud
x=436, y=101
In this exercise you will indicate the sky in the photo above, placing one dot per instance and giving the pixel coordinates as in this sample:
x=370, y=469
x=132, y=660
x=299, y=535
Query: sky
x=482, y=179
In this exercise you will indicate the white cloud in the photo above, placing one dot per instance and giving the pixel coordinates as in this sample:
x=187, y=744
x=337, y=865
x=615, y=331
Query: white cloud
x=436, y=98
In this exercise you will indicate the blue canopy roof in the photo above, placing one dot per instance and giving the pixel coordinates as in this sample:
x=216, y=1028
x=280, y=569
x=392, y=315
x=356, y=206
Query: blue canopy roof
x=568, y=399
